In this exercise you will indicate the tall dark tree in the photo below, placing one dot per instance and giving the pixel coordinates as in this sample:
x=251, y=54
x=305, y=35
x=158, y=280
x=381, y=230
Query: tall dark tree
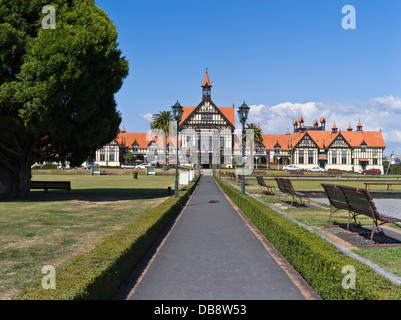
x=57, y=86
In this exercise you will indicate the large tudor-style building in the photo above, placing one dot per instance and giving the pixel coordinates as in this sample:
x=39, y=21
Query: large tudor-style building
x=207, y=138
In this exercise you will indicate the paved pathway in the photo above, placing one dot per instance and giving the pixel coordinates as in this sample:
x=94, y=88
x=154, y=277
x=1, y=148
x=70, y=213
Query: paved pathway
x=212, y=253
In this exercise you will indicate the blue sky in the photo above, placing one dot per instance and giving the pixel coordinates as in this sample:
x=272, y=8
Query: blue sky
x=285, y=58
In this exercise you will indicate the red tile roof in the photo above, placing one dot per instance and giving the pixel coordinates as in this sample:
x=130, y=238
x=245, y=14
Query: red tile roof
x=142, y=139
x=324, y=138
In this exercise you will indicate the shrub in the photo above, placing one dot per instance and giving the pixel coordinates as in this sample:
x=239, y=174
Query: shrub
x=48, y=166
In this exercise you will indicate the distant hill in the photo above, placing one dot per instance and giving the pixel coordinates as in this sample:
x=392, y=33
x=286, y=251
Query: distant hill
x=388, y=157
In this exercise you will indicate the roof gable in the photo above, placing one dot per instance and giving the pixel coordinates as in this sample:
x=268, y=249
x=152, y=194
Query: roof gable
x=306, y=141
x=339, y=141
x=226, y=113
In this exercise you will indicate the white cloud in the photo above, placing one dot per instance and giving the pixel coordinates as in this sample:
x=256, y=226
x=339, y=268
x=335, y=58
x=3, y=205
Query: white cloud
x=377, y=113
x=388, y=103
x=147, y=117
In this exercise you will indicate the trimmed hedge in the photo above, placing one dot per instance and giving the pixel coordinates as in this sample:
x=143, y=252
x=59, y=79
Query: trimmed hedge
x=99, y=273
x=315, y=259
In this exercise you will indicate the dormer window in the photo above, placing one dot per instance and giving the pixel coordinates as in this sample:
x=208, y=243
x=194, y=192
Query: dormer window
x=363, y=147
x=153, y=147
x=207, y=117
x=260, y=149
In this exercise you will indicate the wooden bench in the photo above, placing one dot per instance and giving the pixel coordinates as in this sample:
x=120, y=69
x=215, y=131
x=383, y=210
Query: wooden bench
x=357, y=201
x=285, y=186
x=388, y=184
x=262, y=184
x=296, y=173
x=232, y=175
x=54, y=185
x=336, y=198
x=107, y=172
x=238, y=178
x=335, y=173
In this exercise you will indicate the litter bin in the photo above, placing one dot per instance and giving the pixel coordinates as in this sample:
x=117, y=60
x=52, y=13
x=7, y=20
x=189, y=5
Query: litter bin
x=135, y=175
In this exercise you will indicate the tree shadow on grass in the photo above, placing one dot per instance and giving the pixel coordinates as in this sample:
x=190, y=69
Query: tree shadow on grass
x=99, y=195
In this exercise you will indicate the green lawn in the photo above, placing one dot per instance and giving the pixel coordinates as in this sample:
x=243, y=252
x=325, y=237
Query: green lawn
x=312, y=181
x=120, y=184
x=54, y=229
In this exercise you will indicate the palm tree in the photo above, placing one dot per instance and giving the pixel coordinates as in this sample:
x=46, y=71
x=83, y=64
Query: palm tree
x=161, y=121
x=257, y=136
x=257, y=133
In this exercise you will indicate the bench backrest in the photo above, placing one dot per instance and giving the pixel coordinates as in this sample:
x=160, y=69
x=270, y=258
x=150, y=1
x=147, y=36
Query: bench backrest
x=357, y=200
x=336, y=196
x=360, y=201
x=285, y=185
x=262, y=181
x=38, y=184
x=50, y=184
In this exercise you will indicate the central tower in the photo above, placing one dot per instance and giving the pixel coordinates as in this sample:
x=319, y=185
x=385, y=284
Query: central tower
x=206, y=87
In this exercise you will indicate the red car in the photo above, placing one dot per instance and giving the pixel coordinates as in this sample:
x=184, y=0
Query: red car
x=372, y=171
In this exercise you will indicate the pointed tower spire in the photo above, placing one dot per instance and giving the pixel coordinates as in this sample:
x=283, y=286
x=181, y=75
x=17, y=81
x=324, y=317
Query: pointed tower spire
x=206, y=86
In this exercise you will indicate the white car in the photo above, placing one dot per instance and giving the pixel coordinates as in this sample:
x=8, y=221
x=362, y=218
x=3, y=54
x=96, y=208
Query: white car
x=127, y=166
x=290, y=167
x=316, y=169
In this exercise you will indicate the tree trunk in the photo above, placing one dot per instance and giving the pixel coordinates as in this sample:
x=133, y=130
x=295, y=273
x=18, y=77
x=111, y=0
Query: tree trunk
x=15, y=178
x=165, y=164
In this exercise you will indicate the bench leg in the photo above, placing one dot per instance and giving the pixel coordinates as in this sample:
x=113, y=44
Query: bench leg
x=349, y=220
x=373, y=232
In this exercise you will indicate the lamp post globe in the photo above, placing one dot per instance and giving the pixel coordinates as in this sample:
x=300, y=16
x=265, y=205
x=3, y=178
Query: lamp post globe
x=177, y=111
x=243, y=112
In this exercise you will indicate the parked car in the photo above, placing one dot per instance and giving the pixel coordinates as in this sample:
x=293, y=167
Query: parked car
x=372, y=171
x=67, y=167
x=290, y=167
x=316, y=169
x=127, y=166
x=87, y=167
x=142, y=166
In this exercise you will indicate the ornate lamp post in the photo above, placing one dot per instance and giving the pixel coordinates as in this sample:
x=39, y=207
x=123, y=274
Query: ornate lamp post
x=243, y=112
x=177, y=113
x=221, y=150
